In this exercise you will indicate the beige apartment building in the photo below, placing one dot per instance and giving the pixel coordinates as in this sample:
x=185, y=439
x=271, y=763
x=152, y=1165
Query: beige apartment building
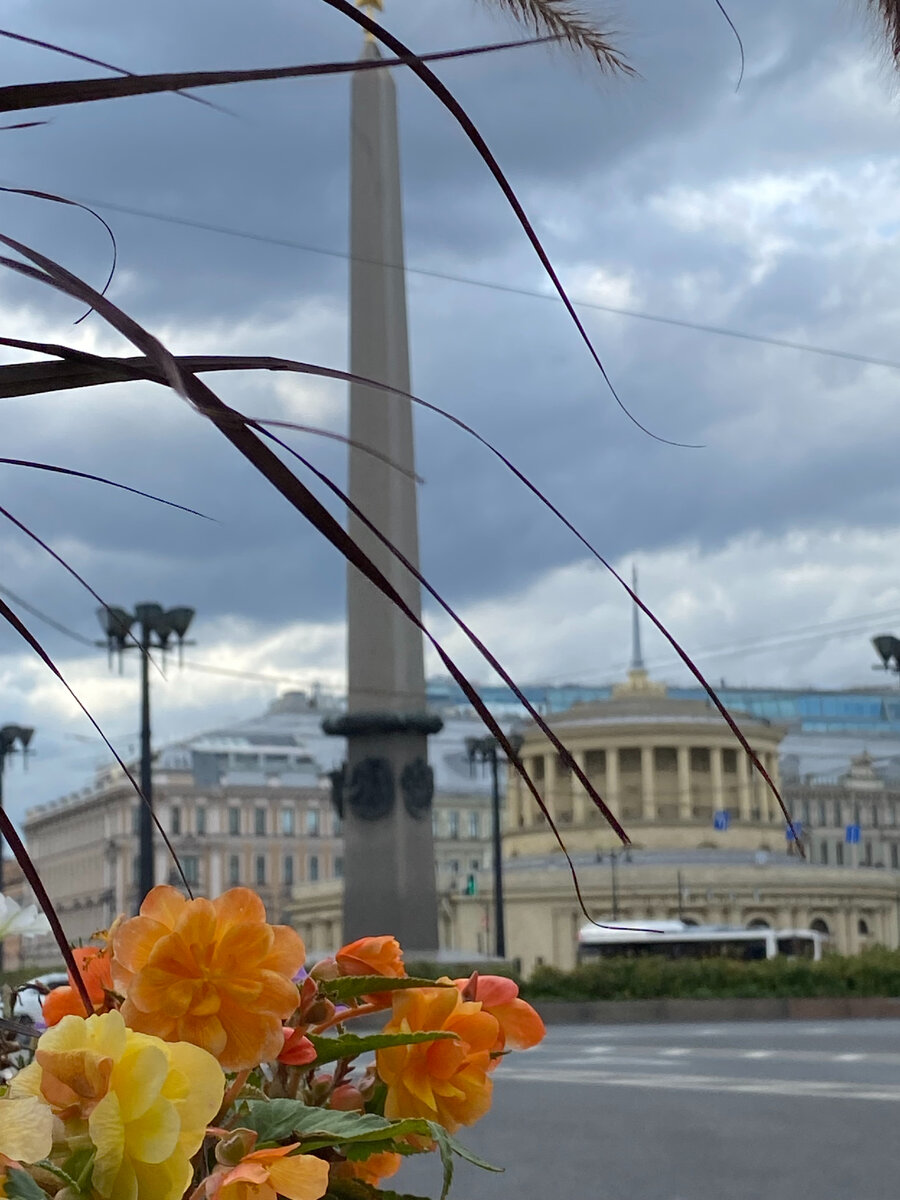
x=268, y=837
x=249, y=805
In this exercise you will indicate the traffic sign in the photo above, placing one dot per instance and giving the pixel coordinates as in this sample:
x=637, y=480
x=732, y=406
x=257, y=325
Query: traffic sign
x=721, y=819
x=852, y=835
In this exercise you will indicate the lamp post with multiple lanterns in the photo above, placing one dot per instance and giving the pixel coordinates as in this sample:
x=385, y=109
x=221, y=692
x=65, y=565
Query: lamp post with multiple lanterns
x=156, y=628
x=487, y=750
x=14, y=739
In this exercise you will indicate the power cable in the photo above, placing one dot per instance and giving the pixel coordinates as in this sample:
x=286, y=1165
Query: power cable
x=492, y=285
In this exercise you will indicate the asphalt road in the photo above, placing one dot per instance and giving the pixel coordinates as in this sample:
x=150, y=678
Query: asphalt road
x=761, y=1111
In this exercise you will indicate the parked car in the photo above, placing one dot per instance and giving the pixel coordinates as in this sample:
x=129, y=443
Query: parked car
x=28, y=1003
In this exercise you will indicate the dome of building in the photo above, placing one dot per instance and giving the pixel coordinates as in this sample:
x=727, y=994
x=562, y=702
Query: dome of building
x=671, y=770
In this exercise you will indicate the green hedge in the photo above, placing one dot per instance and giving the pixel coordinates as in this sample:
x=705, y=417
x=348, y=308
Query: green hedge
x=872, y=973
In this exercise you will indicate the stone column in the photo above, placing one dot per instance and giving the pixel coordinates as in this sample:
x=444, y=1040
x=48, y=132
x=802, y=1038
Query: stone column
x=612, y=796
x=648, y=784
x=551, y=783
x=743, y=782
x=684, y=783
x=717, y=780
x=384, y=793
x=581, y=804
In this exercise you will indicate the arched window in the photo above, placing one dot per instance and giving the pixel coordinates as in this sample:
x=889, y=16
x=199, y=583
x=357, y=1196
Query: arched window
x=758, y=923
x=862, y=928
x=820, y=926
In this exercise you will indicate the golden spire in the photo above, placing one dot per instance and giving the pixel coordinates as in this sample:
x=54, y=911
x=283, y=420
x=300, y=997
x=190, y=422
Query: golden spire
x=375, y=6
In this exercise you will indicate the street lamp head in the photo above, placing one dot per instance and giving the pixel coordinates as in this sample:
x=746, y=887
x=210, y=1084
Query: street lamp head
x=25, y=735
x=887, y=647
x=116, y=623
x=179, y=620
x=149, y=614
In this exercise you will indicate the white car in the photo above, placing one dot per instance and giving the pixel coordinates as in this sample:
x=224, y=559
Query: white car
x=28, y=1004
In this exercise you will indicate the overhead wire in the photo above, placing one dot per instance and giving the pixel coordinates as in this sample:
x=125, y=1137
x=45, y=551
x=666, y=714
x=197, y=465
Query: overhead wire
x=496, y=286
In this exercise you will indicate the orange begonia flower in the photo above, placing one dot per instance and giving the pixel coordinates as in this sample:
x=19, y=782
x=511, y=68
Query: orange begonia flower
x=267, y=1174
x=94, y=966
x=371, y=1170
x=298, y=1050
x=445, y=1080
x=520, y=1026
x=371, y=956
x=212, y=973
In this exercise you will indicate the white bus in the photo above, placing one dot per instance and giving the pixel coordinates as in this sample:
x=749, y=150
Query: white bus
x=677, y=939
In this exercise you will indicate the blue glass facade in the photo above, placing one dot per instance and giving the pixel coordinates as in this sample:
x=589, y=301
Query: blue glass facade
x=801, y=709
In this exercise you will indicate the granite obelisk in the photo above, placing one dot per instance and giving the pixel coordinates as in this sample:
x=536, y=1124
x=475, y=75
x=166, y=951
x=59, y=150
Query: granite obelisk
x=385, y=788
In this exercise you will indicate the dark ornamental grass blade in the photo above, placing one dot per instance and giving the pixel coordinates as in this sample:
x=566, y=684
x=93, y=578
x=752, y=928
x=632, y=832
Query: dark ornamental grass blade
x=21, y=97
x=79, y=369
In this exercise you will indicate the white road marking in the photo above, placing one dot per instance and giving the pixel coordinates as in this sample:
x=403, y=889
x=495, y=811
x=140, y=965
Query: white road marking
x=805, y=1088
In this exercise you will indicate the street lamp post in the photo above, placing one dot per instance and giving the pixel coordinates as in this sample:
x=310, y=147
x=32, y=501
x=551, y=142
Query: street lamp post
x=156, y=627
x=486, y=750
x=13, y=739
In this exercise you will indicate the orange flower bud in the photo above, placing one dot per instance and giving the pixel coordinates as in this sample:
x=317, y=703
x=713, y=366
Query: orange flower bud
x=298, y=1049
x=347, y=1098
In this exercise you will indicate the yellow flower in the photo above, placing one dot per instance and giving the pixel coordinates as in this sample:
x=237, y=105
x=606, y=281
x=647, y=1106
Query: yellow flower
x=267, y=1174
x=445, y=1081
x=209, y=972
x=142, y=1102
x=26, y=1129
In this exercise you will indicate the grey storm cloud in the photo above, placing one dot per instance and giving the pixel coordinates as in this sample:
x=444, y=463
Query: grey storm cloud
x=590, y=156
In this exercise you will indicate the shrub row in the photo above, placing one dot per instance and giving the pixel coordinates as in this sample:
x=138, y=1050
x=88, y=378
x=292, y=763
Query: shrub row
x=875, y=972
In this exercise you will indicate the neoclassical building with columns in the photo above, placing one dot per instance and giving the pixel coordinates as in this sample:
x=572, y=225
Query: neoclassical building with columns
x=667, y=768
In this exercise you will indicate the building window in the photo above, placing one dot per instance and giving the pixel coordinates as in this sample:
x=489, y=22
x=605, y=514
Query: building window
x=234, y=821
x=435, y=823
x=823, y=853
x=862, y=928
x=288, y=873
x=260, y=869
x=454, y=823
x=190, y=864
x=312, y=822
x=259, y=822
x=867, y=858
x=234, y=870
x=820, y=926
x=336, y=824
x=287, y=822
x=201, y=821
x=454, y=866
x=313, y=868
x=339, y=867
x=474, y=825
x=136, y=820
x=895, y=855
x=839, y=854
x=175, y=820
x=474, y=864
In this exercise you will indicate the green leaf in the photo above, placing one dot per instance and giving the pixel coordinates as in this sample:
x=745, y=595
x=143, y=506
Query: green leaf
x=350, y=987
x=349, y=1045
x=46, y=1165
x=447, y=1147
x=19, y=1185
x=274, y=1120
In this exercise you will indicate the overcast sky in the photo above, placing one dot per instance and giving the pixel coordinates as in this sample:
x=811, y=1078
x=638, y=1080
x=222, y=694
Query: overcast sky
x=772, y=210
